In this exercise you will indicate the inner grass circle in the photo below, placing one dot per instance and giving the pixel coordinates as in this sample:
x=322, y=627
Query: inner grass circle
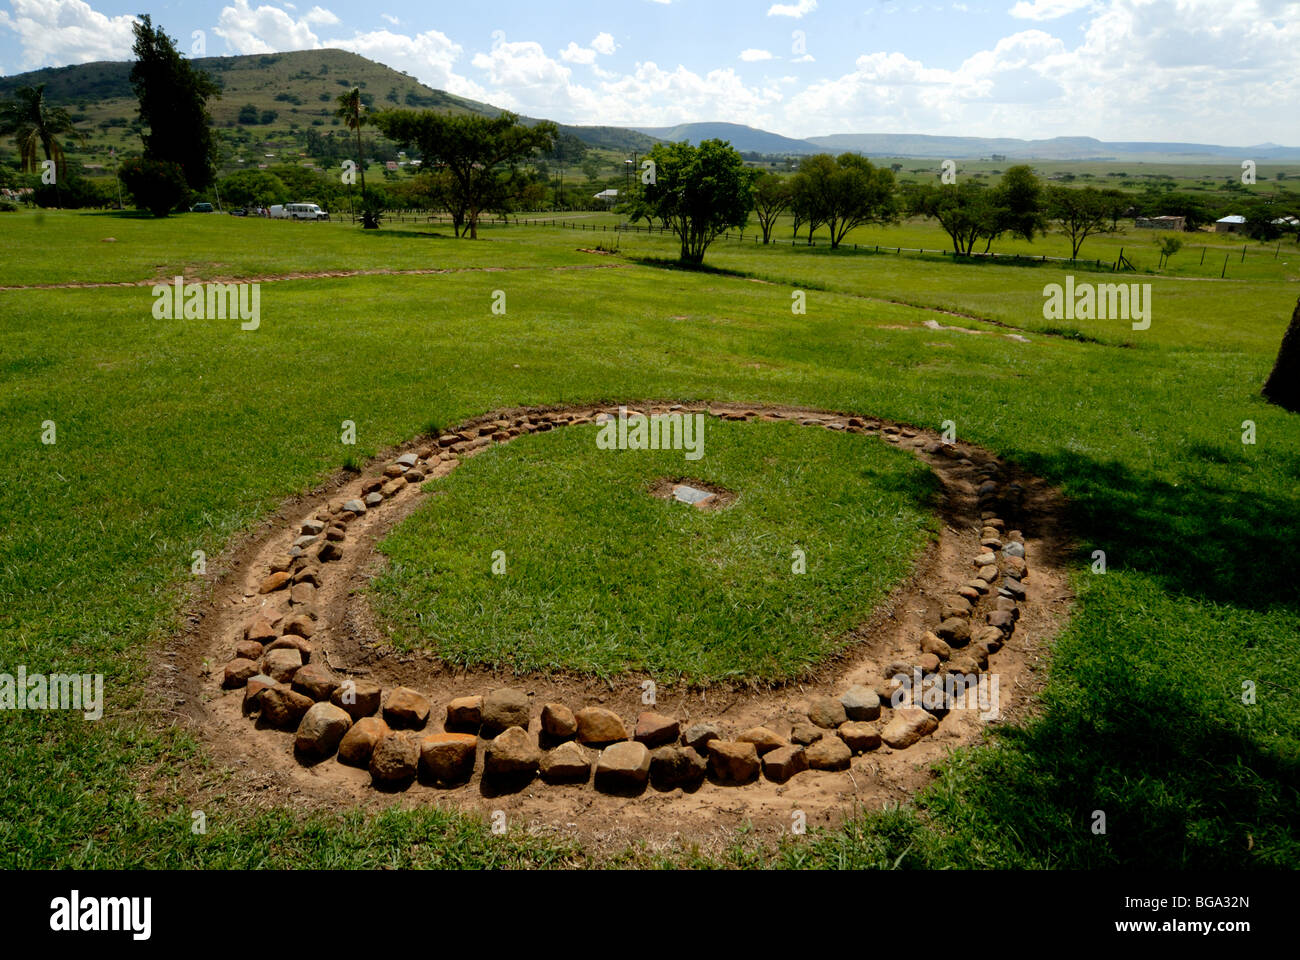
x=596, y=574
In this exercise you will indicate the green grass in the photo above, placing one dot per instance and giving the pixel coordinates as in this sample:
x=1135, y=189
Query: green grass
x=603, y=577
x=176, y=436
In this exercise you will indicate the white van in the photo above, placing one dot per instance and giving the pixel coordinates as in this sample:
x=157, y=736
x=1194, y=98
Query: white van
x=298, y=211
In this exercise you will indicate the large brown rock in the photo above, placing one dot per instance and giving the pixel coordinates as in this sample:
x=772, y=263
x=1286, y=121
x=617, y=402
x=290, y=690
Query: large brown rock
x=598, y=725
x=783, y=763
x=237, y=673
x=908, y=725
x=763, y=739
x=859, y=735
x=829, y=753
x=674, y=766
x=360, y=698
x=465, y=712
x=623, y=765
x=861, y=703
x=505, y=707
x=827, y=712
x=253, y=691
x=395, y=760
x=733, y=762
x=404, y=707
x=558, y=721
x=316, y=681
x=511, y=754
x=955, y=631
x=260, y=629
x=249, y=650
x=448, y=757
x=656, y=729
x=359, y=742
x=283, y=708
x=281, y=664
x=567, y=763
x=698, y=735
x=275, y=581
x=320, y=731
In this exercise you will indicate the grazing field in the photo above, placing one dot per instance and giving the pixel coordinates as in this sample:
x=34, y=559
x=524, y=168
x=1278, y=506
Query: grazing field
x=176, y=436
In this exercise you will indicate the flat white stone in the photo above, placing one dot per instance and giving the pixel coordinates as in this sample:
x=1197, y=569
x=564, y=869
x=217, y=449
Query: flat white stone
x=688, y=494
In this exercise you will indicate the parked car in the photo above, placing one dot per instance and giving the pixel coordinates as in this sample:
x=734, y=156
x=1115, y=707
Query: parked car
x=201, y=208
x=298, y=211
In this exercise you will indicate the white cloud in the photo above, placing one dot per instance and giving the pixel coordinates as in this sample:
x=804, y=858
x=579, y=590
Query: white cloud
x=796, y=10
x=268, y=29
x=752, y=55
x=1047, y=9
x=576, y=54
x=604, y=43
x=390, y=18
x=54, y=33
x=430, y=57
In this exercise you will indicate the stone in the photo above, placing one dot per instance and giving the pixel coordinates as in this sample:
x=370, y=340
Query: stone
x=248, y=650
x=312, y=528
x=859, y=736
x=336, y=534
x=321, y=729
x=448, y=757
x=403, y=707
x=374, y=499
x=955, y=631
x=985, y=559
x=281, y=663
x=316, y=681
x=1014, y=549
x=806, y=733
x=465, y=712
x=511, y=754
x=567, y=763
x=354, y=506
x=360, y=698
x=675, y=766
x=598, y=725
x=928, y=663
x=954, y=606
x=829, y=753
x=783, y=763
x=308, y=575
x=733, y=762
x=329, y=551
x=932, y=644
x=861, y=703
x=964, y=665
x=392, y=487
x=763, y=739
x=359, y=742
x=302, y=594
x=558, y=721
x=395, y=759
x=283, y=708
x=826, y=712
x=623, y=765
x=238, y=671
x=1015, y=567
x=1012, y=588
x=306, y=540
x=261, y=630
x=253, y=690
x=698, y=735
x=909, y=724
x=274, y=582
x=1002, y=619
x=291, y=641
x=300, y=625
x=505, y=707
x=656, y=729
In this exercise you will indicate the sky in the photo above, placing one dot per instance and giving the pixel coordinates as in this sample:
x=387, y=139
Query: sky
x=1206, y=71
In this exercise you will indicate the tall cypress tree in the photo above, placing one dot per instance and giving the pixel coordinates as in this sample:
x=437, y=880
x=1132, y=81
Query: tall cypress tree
x=173, y=105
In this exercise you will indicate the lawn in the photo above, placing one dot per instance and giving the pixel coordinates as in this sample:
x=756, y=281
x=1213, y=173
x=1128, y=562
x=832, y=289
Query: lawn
x=602, y=577
x=174, y=436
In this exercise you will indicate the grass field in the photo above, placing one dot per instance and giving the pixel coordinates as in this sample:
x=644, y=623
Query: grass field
x=174, y=436
x=657, y=587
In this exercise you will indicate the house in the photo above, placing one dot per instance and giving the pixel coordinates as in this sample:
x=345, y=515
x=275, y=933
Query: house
x=609, y=196
x=1160, y=223
x=1233, y=223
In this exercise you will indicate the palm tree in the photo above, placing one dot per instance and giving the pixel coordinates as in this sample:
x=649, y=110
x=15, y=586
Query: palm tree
x=36, y=126
x=349, y=111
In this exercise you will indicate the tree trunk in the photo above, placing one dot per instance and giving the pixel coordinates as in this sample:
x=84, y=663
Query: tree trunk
x=1283, y=384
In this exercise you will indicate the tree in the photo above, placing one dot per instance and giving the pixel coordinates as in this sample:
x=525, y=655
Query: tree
x=1019, y=197
x=1283, y=384
x=967, y=212
x=772, y=196
x=566, y=151
x=1080, y=212
x=158, y=186
x=254, y=188
x=36, y=128
x=1168, y=247
x=173, y=106
x=482, y=155
x=698, y=192
x=351, y=110
x=842, y=192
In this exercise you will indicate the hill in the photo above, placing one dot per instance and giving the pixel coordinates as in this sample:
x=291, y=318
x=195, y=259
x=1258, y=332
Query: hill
x=743, y=138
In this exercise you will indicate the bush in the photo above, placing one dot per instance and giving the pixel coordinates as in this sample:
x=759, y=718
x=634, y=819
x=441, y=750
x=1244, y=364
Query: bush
x=156, y=185
x=8, y=206
x=73, y=192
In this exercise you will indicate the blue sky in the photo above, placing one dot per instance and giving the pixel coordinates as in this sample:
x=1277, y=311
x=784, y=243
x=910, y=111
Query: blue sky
x=1219, y=71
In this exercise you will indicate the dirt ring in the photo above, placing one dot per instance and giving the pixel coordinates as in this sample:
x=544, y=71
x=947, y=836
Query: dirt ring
x=1017, y=603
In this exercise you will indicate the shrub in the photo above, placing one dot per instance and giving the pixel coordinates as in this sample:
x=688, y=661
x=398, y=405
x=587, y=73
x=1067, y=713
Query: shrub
x=156, y=185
